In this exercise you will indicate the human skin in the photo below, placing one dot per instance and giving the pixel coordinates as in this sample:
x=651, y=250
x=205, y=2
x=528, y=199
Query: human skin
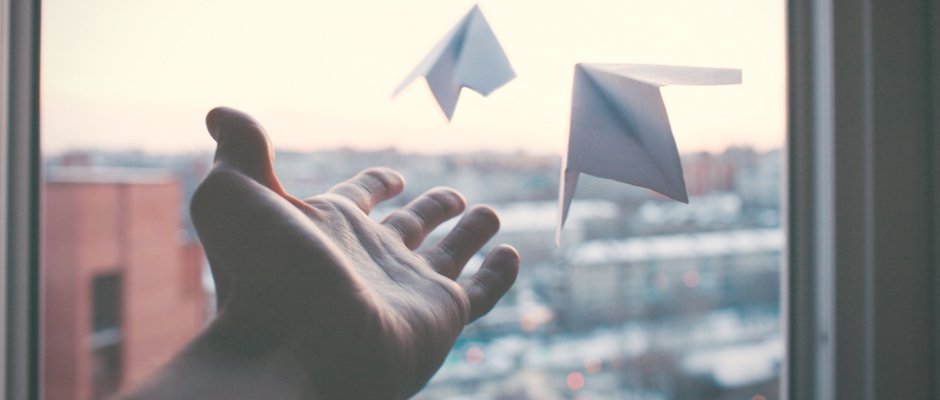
x=317, y=300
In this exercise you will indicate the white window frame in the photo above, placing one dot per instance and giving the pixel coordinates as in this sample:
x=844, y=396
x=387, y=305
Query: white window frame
x=19, y=199
x=863, y=280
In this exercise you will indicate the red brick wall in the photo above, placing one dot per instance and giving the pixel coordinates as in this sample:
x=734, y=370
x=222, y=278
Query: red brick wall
x=159, y=318
x=92, y=228
x=63, y=317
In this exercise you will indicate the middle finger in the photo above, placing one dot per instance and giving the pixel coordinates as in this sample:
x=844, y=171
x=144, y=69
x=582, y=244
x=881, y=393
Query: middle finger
x=418, y=218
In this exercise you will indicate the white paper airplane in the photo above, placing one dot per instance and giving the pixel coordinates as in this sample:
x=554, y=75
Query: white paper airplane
x=620, y=128
x=468, y=56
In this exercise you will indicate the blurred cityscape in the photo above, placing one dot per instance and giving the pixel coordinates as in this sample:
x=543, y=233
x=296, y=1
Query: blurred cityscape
x=644, y=298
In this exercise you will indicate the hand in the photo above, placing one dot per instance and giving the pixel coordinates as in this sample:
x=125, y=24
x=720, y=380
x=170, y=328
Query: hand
x=346, y=301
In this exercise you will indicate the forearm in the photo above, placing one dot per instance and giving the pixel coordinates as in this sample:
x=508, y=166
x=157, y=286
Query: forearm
x=221, y=364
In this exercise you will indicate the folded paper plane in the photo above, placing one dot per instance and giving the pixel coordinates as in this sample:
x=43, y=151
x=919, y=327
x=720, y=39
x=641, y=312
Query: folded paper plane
x=620, y=129
x=468, y=56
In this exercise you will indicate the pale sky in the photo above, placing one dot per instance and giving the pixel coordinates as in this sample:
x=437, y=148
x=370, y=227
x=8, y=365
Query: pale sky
x=121, y=74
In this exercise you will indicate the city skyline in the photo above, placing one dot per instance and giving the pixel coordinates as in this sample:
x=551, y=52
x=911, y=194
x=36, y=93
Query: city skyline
x=645, y=296
x=120, y=75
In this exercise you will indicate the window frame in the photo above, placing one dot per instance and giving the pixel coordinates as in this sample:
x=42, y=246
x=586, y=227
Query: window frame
x=19, y=198
x=862, y=301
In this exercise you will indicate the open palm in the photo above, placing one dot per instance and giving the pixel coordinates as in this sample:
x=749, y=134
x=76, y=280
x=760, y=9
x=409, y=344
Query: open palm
x=366, y=315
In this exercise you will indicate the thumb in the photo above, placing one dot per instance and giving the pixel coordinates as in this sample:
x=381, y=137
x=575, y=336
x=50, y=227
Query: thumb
x=243, y=145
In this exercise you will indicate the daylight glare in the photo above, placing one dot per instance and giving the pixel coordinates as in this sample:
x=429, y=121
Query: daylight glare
x=320, y=75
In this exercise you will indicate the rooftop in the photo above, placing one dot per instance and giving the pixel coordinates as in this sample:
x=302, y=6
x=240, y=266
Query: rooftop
x=109, y=175
x=686, y=245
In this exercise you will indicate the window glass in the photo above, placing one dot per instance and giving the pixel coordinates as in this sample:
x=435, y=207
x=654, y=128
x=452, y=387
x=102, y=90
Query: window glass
x=643, y=298
x=106, y=334
x=106, y=303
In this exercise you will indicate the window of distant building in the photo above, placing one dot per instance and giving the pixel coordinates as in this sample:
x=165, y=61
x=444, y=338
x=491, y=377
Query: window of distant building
x=106, y=334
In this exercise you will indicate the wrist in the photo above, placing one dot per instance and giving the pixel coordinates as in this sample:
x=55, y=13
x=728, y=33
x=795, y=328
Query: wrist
x=225, y=363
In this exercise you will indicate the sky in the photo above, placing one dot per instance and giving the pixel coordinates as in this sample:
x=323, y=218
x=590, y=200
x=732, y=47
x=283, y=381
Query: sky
x=120, y=74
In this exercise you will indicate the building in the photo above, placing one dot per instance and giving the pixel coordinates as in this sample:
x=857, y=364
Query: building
x=121, y=292
x=613, y=281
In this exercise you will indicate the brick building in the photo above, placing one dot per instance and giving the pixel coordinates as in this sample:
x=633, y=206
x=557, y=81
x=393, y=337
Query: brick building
x=121, y=291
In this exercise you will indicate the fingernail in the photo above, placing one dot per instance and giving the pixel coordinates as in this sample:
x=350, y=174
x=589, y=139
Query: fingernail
x=214, y=121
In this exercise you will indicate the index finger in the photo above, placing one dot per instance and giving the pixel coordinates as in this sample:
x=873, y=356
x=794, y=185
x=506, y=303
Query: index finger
x=370, y=187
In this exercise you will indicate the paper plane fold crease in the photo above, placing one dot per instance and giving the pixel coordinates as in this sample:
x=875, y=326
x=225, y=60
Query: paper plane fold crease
x=467, y=56
x=620, y=128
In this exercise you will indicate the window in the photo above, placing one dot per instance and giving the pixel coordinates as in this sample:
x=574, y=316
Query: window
x=106, y=308
x=644, y=297
x=824, y=359
x=623, y=308
x=106, y=305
